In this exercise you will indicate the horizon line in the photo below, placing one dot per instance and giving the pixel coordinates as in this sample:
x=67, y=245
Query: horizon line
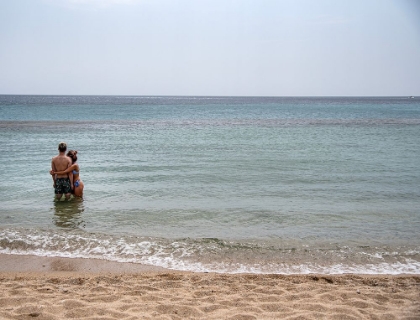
x=210, y=96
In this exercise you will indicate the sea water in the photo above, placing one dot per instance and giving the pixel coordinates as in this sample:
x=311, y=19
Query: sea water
x=223, y=184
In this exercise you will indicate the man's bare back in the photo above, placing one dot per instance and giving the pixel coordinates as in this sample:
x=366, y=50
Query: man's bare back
x=60, y=163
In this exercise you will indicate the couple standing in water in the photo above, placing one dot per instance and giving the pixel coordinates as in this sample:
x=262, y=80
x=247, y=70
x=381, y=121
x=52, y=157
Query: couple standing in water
x=65, y=173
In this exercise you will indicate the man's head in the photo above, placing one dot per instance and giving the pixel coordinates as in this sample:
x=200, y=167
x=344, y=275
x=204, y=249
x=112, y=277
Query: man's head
x=62, y=147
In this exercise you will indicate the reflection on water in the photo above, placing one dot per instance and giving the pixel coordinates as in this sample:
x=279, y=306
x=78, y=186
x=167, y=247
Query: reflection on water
x=68, y=214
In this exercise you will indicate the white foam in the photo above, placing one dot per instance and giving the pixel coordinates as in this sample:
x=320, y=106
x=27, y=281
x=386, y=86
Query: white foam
x=188, y=256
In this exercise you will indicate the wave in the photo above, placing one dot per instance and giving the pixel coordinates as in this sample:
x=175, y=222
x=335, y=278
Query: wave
x=214, y=255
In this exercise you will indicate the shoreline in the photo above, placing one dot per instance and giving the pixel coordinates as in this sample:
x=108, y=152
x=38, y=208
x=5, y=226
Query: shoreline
x=28, y=263
x=13, y=263
x=62, y=288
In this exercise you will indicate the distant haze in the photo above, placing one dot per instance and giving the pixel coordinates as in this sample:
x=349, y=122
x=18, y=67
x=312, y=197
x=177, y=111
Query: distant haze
x=217, y=47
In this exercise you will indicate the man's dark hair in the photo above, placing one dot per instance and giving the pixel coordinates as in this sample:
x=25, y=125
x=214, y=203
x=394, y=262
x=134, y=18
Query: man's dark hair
x=62, y=147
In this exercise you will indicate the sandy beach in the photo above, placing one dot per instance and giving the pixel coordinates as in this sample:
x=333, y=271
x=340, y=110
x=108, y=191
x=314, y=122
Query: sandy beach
x=60, y=288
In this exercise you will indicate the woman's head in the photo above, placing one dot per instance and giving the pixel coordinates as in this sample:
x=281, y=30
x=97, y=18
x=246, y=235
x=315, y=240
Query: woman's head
x=72, y=154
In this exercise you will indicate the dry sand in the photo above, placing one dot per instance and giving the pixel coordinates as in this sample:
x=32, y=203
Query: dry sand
x=58, y=288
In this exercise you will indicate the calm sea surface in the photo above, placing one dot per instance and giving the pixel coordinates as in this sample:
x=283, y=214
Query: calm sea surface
x=225, y=184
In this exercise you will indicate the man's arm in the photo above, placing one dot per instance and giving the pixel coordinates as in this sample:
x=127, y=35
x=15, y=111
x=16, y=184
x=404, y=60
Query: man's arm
x=54, y=176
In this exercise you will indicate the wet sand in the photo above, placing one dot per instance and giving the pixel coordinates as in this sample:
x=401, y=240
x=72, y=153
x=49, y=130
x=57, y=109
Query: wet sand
x=59, y=288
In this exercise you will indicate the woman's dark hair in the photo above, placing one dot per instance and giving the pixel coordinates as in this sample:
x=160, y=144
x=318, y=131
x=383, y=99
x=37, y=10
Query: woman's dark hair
x=73, y=155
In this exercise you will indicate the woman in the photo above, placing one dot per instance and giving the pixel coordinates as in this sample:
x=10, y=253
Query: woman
x=74, y=168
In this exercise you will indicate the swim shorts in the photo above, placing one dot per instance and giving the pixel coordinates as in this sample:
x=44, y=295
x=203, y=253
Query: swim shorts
x=62, y=186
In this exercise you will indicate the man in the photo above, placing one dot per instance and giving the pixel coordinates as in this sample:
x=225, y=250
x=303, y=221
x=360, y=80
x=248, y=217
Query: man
x=62, y=182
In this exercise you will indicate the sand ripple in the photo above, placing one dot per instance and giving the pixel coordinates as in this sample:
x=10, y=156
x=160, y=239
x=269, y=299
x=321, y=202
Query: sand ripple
x=207, y=296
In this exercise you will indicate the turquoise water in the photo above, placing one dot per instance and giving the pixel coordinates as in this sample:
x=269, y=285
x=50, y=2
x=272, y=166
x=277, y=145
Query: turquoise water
x=226, y=184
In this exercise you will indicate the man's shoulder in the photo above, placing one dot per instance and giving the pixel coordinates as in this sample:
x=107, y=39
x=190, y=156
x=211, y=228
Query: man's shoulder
x=61, y=158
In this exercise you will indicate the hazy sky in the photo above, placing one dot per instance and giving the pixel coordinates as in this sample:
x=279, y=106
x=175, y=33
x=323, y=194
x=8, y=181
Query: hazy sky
x=216, y=47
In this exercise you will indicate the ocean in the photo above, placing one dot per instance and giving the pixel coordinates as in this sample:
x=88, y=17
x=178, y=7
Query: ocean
x=286, y=185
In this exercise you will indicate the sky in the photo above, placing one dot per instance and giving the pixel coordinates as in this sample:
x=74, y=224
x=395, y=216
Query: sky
x=210, y=47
